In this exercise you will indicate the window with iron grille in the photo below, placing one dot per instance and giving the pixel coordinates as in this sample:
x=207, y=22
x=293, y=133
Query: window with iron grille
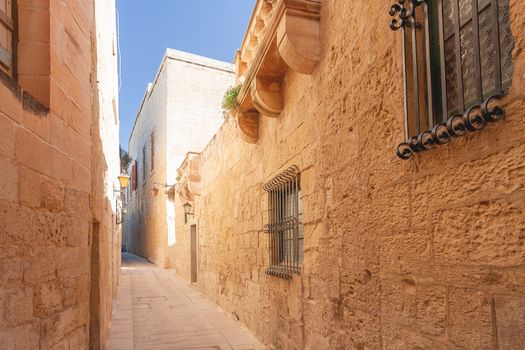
x=8, y=36
x=285, y=229
x=457, y=65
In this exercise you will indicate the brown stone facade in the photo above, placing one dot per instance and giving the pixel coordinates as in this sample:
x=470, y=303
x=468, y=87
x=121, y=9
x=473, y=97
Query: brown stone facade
x=427, y=253
x=59, y=245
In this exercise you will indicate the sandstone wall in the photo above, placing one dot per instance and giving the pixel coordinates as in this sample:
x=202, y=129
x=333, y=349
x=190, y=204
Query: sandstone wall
x=196, y=89
x=420, y=254
x=105, y=170
x=182, y=108
x=144, y=221
x=52, y=191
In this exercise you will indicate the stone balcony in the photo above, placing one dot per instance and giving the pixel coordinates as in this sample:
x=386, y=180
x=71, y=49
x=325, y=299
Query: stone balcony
x=189, y=177
x=281, y=35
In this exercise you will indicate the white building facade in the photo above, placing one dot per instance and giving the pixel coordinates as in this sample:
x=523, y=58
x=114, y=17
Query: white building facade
x=180, y=113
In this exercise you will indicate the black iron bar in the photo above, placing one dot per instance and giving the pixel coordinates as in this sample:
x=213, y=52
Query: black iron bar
x=405, y=81
x=415, y=72
x=296, y=225
x=284, y=262
x=428, y=67
x=496, y=43
x=443, y=70
x=278, y=231
x=274, y=208
x=287, y=230
x=269, y=225
x=294, y=230
x=477, y=51
x=290, y=226
x=459, y=64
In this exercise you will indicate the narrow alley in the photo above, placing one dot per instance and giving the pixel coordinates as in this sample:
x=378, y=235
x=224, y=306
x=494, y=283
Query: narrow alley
x=262, y=174
x=156, y=309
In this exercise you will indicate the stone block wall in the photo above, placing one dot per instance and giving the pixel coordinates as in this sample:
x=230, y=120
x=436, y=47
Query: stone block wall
x=182, y=108
x=420, y=254
x=52, y=193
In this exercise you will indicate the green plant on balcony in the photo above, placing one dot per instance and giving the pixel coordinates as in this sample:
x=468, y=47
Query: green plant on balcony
x=230, y=105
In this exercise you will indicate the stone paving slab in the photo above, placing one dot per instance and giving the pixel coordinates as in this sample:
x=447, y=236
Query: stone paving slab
x=157, y=310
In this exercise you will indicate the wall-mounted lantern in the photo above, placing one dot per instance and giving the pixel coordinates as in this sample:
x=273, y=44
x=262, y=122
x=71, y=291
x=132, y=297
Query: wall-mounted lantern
x=187, y=211
x=124, y=180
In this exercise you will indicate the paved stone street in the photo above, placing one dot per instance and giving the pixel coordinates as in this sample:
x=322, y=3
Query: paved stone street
x=156, y=309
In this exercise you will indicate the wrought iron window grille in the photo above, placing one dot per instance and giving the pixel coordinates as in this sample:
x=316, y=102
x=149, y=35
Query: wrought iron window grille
x=284, y=227
x=457, y=57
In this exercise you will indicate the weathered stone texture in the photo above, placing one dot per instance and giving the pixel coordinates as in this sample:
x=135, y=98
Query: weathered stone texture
x=420, y=254
x=181, y=108
x=52, y=178
x=510, y=315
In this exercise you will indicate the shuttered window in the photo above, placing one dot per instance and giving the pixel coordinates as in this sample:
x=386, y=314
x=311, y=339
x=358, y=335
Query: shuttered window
x=8, y=36
x=457, y=65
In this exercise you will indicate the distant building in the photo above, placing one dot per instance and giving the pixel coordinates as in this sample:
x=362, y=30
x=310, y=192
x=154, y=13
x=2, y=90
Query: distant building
x=180, y=112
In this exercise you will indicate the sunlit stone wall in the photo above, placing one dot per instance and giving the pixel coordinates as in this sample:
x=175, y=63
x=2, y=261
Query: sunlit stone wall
x=182, y=108
x=427, y=253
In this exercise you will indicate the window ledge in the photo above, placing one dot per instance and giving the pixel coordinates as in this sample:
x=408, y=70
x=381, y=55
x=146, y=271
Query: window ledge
x=474, y=119
x=281, y=272
x=282, y=35
x=28, y=101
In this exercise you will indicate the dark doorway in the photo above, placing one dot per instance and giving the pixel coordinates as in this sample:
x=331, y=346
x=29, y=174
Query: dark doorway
x=193, y=234
x=94, y=295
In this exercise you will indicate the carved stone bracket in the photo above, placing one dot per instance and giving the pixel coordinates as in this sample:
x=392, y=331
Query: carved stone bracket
x=189, y=178
x=298, y=35
x=267, y=97
x=249, y=126
x=288, y=38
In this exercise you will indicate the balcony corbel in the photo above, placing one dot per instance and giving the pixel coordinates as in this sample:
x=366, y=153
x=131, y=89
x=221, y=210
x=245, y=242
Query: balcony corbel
x=249, y=125
x=298, y=35
x=267, y=97
x=189, y=178
x=288, y=40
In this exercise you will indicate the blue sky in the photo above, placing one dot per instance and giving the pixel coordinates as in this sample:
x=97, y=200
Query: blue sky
x=211, y=28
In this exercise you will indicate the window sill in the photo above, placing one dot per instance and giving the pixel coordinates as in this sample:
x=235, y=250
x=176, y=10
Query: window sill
x=474, y=119
x=282, y=271
x=28, y=101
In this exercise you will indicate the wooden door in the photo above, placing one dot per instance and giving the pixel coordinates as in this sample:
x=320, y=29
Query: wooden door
x=193, y=234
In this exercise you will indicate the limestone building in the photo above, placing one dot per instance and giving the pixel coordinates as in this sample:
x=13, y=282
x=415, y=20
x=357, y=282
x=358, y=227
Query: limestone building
x=180, y=112
x=59, y=166
x=370, y=193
